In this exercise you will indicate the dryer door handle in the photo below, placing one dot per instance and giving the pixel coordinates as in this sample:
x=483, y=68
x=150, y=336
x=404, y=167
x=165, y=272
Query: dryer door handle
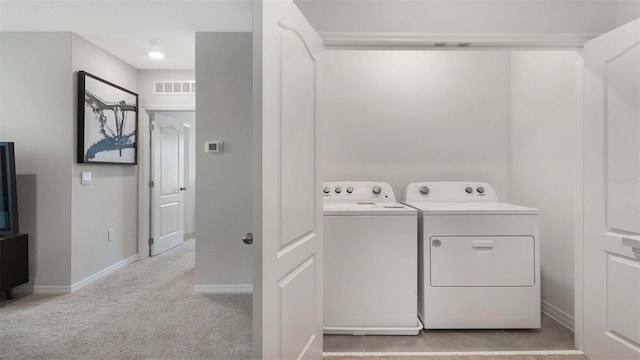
x=482, y=245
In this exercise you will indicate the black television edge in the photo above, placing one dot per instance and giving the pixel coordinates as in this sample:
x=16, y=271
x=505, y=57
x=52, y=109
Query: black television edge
x=8, y=193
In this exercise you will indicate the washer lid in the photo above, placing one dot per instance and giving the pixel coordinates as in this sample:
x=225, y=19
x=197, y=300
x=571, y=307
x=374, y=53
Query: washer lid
x=474, y=208
x=365, y=208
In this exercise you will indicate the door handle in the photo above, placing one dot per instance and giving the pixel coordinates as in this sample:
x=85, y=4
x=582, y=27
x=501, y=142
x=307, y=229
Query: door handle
x=248, y=238
x=634, y=243
x=482, y=245
x=183, y=188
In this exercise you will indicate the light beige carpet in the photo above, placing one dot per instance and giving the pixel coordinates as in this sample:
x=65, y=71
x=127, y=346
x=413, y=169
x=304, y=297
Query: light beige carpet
x=144, y=311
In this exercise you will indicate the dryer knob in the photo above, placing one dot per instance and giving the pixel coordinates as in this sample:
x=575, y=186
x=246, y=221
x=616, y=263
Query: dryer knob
x=377, y=190
x=424, y=190
x=480, y=190
x=349, y=189
x=326, y=190
x=469, y=190
x=338, y=190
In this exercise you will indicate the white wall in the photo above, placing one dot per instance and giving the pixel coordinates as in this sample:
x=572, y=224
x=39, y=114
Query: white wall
x=545, y=159
x=36, y=112
x=509, y=119
x=224, y=112
x=405, y=116
x=149, y=99
x=464, y=16
x=111, y=201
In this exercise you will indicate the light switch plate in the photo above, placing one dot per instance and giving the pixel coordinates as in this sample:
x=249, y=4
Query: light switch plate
x=111, y=235
x=214, y=147
x=86, y=178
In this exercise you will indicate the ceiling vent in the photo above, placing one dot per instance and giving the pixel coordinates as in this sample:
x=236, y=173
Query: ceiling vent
x=186, y=87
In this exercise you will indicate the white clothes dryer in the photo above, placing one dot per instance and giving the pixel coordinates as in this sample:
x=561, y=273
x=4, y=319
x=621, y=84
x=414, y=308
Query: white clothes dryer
x=479, y=259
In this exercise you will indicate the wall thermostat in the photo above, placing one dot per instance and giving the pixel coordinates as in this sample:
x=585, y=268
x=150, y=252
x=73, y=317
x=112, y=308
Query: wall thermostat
x=215, y=147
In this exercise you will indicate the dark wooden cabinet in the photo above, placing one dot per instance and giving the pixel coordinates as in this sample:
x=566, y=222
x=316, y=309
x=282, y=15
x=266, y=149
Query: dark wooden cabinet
x=14, y=262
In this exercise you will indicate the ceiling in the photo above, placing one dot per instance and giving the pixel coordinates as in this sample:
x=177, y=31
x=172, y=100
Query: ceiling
x=124, y=27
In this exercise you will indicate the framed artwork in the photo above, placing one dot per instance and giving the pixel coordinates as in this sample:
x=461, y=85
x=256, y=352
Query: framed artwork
x=107, y=122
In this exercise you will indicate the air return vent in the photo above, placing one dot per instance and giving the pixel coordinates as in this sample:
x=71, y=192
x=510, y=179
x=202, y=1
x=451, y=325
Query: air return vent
x=184, y=87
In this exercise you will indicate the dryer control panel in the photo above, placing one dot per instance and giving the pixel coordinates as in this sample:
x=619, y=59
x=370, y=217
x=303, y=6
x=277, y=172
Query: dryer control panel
x=450, y=191
x=357, y=191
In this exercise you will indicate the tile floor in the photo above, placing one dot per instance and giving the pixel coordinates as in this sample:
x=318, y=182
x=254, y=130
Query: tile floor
x=552, y=336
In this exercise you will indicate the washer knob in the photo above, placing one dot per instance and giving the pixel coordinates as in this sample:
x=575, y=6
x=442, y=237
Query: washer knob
x=338, y=190
x=424, y=190
x=480, y=190
x=469, y=190
x=350, y=189
x=326, y=190
x=377, y=190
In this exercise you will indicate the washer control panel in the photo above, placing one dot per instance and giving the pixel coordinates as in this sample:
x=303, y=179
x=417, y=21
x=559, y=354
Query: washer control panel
x=357, y=191
x=450, y=191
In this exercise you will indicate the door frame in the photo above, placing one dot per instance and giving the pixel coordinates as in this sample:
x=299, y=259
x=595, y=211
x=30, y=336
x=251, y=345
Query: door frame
x=144, y=153
x=144, y=173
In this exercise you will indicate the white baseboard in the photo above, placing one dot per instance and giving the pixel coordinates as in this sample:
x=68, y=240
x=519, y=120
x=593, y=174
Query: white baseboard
x=561, y=316
x=63, y=290
x=42, y=290
x=223, y=289
x=452, y=353
x=102, y=273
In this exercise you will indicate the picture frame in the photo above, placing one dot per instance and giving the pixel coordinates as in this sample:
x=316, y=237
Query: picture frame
x=107, y=122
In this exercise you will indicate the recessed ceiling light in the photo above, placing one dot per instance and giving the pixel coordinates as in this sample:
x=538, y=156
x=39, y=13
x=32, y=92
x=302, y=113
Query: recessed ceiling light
x=156, y=55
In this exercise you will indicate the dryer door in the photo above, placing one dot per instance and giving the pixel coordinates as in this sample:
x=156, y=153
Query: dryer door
x=499, y=261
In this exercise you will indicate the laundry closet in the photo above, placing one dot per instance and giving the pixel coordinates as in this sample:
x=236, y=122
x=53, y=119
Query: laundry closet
x=509, y=118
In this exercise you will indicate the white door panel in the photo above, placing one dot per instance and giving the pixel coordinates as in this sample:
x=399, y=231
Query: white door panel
x=169, y=164
x=612, y=194
x=622, y=297
x=167, y=141
x=287, y=203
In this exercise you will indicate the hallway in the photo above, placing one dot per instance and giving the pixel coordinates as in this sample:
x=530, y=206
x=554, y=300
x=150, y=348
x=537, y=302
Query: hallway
x=146, y=310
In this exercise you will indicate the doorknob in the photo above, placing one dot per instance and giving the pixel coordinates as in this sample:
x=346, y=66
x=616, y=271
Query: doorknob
x=183, y=188
x=248, y=238
x=634, y=243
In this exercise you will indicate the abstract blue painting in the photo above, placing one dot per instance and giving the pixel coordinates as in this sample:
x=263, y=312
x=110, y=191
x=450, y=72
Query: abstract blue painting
x=107, y=122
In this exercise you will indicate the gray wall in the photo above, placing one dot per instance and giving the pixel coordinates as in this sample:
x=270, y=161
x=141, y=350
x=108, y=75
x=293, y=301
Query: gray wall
x=36, y=112
x=67, y=222
x=405, y=116
x=111, y=201
x=223, y=182
x=626, y=11
x=148, y=98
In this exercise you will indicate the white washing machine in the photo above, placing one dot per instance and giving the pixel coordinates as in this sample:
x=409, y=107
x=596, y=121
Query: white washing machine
x=479, y=258
x=370, y=261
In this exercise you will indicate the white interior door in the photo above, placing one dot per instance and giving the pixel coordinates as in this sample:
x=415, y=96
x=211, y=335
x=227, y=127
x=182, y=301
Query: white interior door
x=287, y=182
x=167, y=141
x=612, y=194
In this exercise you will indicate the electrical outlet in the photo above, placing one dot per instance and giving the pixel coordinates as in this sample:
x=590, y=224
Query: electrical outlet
x=111, y=235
